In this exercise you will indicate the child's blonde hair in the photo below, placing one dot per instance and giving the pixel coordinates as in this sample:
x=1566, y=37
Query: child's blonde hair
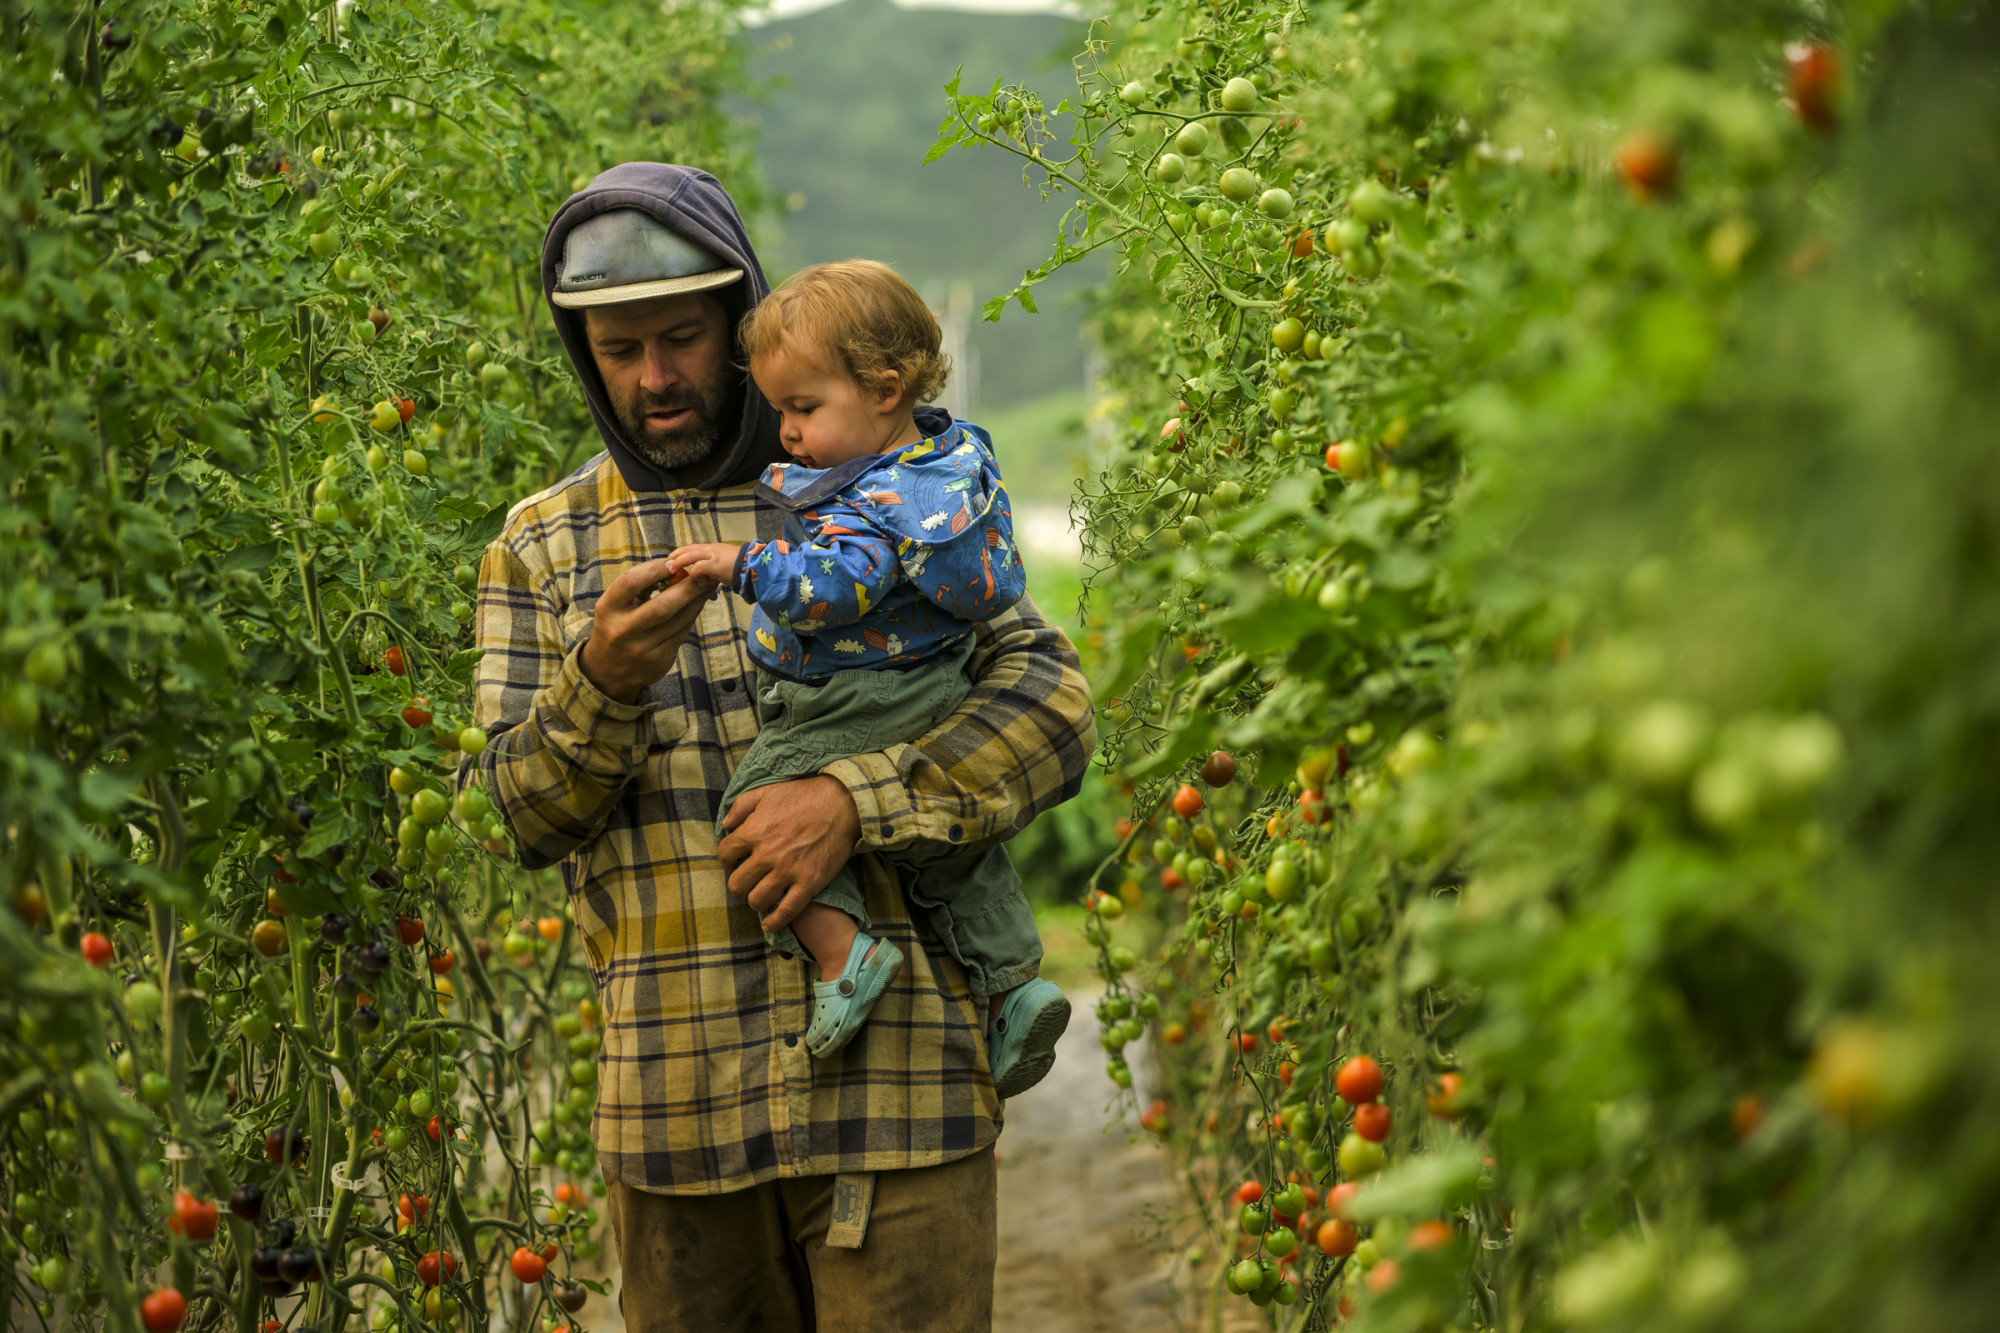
x=861, y=313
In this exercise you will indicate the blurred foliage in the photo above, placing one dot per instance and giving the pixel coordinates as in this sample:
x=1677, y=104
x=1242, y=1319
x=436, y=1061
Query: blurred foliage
x=1557, y=456
x=274, y=365
x=844, y=101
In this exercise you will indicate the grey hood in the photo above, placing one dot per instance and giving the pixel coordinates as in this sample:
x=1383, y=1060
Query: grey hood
x=693, y=204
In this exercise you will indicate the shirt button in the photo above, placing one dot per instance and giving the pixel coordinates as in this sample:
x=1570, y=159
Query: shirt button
x=791, y=1039
x=956, y=833
x=729, y=687
x=888, y=830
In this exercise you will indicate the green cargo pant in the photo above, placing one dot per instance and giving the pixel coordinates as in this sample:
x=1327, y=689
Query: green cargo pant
x=973, y=899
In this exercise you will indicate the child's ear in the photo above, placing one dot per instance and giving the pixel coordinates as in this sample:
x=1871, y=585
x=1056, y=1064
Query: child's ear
x=888, y=391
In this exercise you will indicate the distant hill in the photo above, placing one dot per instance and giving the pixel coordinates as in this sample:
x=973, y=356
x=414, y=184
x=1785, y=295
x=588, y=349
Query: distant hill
x=850, y=101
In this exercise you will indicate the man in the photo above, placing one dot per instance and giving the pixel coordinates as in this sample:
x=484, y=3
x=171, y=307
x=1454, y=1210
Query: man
x=751, y=1186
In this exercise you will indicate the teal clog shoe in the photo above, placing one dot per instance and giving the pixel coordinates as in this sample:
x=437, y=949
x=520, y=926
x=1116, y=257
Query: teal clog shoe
x=841, y=1006
x=1021, y=1039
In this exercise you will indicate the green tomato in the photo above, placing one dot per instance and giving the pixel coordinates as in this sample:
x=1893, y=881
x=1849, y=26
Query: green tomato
x=1275, y=204
x=472, y=804
x=1239, y=185
x=1133, y=93
x=409, y=833
x=1171, y=168
x=1245, y=1276
x=583, y=1073
x=1192, y=141
x=1288, y=335
x=1283, y=879
x=142, y=1002
x=1239, y=95
x=428, y=807
x=439, y=842
x=1253, y=1218
x=324, y=243
x=1358, y=1157
x=155, y=1089
x=1371, y=203
x=421, y=1103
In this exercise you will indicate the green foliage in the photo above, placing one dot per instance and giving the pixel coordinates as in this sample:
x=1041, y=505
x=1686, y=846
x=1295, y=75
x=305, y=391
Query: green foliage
x=275, y=363
x=1586, y=531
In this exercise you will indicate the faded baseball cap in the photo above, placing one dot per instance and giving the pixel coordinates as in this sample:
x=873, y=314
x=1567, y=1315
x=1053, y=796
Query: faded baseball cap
x=626, y=255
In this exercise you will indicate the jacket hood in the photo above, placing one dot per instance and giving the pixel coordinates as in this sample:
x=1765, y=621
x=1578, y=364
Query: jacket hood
x=693, y=204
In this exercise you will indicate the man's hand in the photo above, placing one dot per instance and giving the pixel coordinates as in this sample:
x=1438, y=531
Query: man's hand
x=634, y=641
x=784, y=843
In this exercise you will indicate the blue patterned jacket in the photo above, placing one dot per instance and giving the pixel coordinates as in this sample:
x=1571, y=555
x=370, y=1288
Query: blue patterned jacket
x=883, y=560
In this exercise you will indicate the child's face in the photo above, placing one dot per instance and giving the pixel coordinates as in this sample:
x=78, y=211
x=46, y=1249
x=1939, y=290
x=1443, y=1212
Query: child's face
x=825, y=418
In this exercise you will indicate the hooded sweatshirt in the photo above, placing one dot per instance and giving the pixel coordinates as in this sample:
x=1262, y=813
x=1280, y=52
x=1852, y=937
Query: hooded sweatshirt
x=693, y=204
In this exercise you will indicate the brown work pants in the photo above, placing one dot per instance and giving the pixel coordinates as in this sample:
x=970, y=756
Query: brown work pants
x=757, y=1261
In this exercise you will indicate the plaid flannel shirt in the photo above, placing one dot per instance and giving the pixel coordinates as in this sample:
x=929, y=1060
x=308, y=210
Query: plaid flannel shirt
x=705, y=1085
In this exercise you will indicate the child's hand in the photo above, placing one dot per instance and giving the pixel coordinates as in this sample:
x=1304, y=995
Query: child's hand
x=714, y=561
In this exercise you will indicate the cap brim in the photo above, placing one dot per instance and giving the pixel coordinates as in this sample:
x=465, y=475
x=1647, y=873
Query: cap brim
x=647, y=291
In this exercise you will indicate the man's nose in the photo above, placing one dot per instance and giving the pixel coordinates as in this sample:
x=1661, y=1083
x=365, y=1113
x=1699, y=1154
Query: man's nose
x=660, y=371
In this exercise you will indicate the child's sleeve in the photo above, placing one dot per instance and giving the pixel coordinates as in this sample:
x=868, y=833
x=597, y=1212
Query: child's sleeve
x=978, y=574
x=834, y=579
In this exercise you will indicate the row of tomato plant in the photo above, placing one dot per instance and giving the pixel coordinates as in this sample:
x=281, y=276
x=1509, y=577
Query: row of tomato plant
x=1548, y=447
x=287, y=1039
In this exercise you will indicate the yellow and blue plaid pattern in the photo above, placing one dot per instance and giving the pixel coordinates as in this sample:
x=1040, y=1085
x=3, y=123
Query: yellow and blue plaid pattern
x=705, y=1085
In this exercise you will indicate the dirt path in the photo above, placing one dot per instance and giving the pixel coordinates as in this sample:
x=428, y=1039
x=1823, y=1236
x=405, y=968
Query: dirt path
x=1074, y=1196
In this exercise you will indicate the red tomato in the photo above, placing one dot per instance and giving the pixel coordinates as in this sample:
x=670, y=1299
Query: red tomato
x=1372, y=1121
x=442, y=963
x=1383, y=1275
x=163, y=1310
x=428, y=1267
x=405, y=408
x=418, y=714
x=1312, y=807
x=1246, y=1042
x=272, y=1326
x=1302, y=244
x=438, y=1129
x=1173, y=1034
x=549, y=1251
x=410, y=929
x=1340, y=1196
x=567, y=1193
x=1337, y=1237
x=1442, y=1099
x=1170, y=879
x=1648, y=163
x=414, y=1205
x=528, y=1266
x=1430, y=1235
x=192, y=1218
x=1249, y=1192
x=393, y=659
x=1187, y=801
x=551, y=928
x=1285, y=1072
x=96, y=949
x=1154, y=1118
x=1359, y=1080
x=1276, y=1032
x=1812, y=84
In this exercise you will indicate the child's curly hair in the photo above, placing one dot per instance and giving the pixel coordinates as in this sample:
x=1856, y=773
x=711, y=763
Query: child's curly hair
x=860, y=313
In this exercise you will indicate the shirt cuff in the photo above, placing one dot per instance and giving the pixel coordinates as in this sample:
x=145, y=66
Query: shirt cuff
x=889, y=821
x=591, y=713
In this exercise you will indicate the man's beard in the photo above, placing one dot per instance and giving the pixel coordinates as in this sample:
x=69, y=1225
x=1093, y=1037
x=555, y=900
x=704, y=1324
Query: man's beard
x=685, y=445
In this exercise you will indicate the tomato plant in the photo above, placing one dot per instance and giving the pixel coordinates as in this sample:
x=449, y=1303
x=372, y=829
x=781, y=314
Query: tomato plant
x=1549, y=541
x=247, y=253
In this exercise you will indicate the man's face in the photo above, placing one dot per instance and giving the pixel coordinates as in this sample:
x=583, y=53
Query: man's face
x=666, y=368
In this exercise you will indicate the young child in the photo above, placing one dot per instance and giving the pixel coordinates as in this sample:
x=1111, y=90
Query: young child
x=895, y=544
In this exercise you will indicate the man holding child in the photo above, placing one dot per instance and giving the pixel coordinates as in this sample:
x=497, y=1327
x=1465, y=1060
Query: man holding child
x=754, y=1184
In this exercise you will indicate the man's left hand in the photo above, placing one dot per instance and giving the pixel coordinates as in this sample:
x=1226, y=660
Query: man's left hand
x=785, y=841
